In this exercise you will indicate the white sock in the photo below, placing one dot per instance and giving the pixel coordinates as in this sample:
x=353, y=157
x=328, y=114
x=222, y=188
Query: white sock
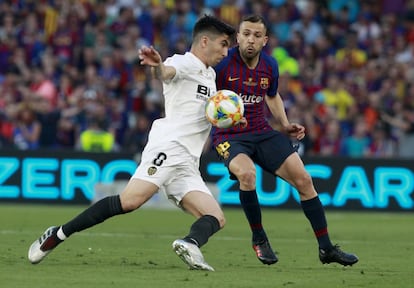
x=60, y=234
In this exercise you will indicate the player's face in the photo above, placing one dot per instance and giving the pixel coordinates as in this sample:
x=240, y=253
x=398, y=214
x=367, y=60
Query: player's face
x=251, y=39
x=218, y=48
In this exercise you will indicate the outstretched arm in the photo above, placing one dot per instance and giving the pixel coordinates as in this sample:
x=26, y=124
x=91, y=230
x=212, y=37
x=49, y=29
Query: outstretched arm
x=149, y=56
x=277, y=109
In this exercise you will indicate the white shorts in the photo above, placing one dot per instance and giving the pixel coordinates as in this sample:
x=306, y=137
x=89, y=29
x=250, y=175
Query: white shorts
x=173, y=169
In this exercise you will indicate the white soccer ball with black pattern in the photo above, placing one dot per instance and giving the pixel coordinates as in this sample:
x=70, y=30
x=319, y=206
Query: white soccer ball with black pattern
x=224, y=109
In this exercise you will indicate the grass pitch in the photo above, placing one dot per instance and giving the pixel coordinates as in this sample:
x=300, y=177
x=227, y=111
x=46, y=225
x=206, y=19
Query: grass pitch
x=134, y=250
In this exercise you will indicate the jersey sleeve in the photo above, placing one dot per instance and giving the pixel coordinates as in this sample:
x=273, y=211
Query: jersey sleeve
x=274, y=82
x=175, y=62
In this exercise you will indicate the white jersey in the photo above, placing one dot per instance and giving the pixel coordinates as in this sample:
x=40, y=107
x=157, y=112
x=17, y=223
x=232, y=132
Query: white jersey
x=185, y=95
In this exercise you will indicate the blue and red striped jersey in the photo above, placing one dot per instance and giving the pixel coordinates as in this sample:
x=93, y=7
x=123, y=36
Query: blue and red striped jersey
x=252, y=85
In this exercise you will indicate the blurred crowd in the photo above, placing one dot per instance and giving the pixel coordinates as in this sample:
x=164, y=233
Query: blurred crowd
x=70, y=77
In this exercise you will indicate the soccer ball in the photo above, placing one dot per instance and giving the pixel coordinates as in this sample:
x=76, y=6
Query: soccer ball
x=224, y=109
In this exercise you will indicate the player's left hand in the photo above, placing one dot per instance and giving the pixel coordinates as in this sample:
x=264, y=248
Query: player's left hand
x=295, y=130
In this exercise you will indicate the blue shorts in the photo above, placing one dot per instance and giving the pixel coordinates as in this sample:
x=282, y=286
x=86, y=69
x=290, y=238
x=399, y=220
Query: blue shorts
x=268, y=150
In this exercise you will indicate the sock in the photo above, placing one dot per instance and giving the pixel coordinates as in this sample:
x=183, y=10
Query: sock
x=60, y=234
x=314, y=211
x=97, y=213
x=251, y=207
x=202, y=229
x=52, y=244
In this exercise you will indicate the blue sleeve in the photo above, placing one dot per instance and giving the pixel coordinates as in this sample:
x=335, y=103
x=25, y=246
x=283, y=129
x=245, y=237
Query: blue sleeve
x=274, y=81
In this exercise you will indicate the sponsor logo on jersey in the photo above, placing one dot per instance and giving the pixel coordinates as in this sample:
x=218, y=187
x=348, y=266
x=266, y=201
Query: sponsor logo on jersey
x=203, y=92
x=250, y=82
x=202, y=97
x=251, y=99
x=231, y=79
x=222, y=149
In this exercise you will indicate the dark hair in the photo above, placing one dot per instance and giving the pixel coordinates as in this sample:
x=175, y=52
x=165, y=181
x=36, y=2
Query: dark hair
x=255, y=18
x=212, y=25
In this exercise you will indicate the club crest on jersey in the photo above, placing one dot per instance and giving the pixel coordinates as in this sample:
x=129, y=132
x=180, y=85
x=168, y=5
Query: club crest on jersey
x=152, y=170
x=264, y=83
x=250, y=82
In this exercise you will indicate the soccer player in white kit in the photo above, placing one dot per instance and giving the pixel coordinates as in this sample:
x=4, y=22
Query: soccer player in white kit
x=170, y=159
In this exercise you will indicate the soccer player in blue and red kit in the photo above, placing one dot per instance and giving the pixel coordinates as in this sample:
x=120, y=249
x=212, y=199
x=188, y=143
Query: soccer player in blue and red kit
x=253, y=74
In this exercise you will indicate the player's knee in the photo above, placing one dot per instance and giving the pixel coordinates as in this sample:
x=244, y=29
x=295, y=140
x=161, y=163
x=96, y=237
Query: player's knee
x=247, y=177
x=303, y=182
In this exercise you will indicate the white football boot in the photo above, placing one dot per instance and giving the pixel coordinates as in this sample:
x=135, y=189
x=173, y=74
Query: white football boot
x=43, y=246
x=191, y=255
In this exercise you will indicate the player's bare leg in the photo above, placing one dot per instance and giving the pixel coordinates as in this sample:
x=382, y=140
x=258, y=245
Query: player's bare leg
x=293, y=171
x=210, y=219
x=244, y=169
x=136, y=193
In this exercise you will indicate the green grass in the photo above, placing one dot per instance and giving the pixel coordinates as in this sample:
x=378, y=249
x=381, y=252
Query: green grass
x=134, y=250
